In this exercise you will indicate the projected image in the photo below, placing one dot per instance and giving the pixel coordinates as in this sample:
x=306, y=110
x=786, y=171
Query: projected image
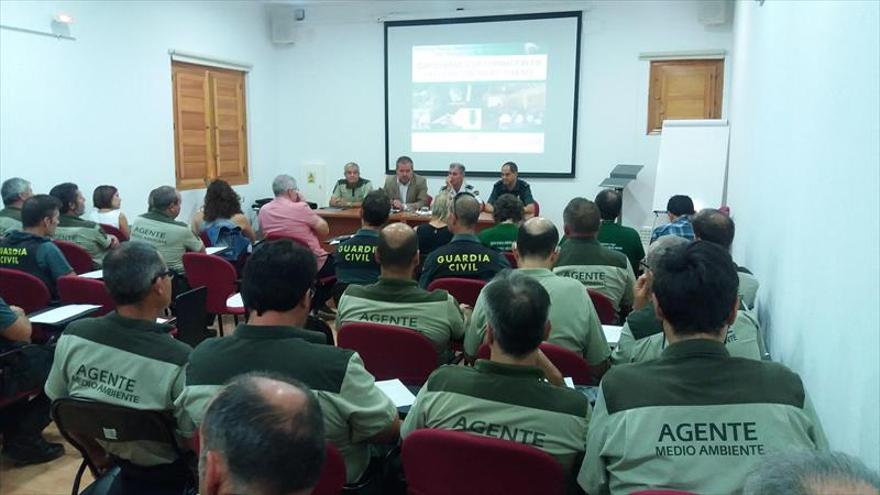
x=479, y=98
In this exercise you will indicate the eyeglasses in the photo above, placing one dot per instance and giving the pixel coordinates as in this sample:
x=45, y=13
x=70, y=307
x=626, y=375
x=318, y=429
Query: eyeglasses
x=167, y=273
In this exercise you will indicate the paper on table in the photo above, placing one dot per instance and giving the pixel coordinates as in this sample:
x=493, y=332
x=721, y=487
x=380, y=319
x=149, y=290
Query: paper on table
x=62, y=313
x=98, y=274
x=396, y=391
x=235, y=301
x=569, y=382
x=612, y=333
x=215, y=249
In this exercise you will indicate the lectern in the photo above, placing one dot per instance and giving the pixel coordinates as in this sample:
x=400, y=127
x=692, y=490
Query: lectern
x=619, y=178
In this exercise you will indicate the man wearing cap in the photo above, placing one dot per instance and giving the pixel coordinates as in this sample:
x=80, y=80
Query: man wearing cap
x=350, y=191
x=679, y=210
x=72, y=228
x=15, y=191
x=510, y=183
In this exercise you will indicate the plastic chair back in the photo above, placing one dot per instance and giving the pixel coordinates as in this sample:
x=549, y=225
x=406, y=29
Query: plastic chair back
x=22, y=289
x=510, y=258
x=192, y=316
x=568, y=362
x=603, y=306
x=332, y=478
x=537, y=209
x=109, y=229
x=428, y=200
x=79, y=258
x=80, y=290
x=213, y=272
x=389, y=351
x=205, y=239
x=464, y=290
x=440, y=462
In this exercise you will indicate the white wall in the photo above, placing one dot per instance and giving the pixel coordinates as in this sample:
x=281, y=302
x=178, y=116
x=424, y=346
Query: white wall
x=98, y=110
x=332, y=97
x=804, y=158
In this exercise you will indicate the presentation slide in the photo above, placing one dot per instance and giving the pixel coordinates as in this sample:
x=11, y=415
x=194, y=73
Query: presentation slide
x=483, y=91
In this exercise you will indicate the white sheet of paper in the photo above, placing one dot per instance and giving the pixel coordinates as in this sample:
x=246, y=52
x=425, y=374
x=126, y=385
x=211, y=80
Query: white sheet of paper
x=161, y=320
x=569, y=381
x=235, y=301
x=215, y=249
x=612, y=333
x=97, y=274
x=396, y=391
x=62, y=313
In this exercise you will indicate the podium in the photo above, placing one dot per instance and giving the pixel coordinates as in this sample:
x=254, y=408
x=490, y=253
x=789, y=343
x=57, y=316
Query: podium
x=619, y=177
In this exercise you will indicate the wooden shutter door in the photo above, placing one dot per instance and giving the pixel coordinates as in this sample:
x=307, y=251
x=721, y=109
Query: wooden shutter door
x=228, y=126
x=192, y=133
x=684, y=89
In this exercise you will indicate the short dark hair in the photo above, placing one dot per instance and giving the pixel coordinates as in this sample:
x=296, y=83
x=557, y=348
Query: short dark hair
x=696, y=287
x=396, y=252
x=537, y=237
x=103, y=196
x=66, y=194
x=713, y=226
x=508, y=207
x=512, y=166
x=581, y=216
x=38, y=207
x=267, y=447
x=277, y=276
x=221, y=201
x=517, y=308
x=680, y=205
x=609, y=203
x=466, y=209
x=403, y=159
x=130, y=270
x=162, y=198
x=376, y=208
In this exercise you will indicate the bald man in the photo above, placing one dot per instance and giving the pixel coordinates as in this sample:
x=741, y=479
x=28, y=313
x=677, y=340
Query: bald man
x=271, y=417
x=396, y=298
x=573, y=320
x=714, y=226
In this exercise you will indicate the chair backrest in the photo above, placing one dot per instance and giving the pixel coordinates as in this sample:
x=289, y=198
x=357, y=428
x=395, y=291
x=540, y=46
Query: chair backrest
x=109, y=229
x=191, y=316
x=332, y=478
x=428, y=200
x=537, y=209
x=464, y=290
x=22, y=289
x=80, y=290
x=568, y=362
x=389, y=351
x=76, y=255
x=213, y=272
x=604, y=307
x=205, y=239
x=443, y=462
x=510, y=258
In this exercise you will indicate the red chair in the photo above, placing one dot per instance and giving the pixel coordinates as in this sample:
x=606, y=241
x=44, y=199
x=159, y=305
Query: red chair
x=604, y=307
x=568, y=362
x=81, y=290
x=428, y=200
x=80, y=259
x=537, y=209
x=218, y=275
x=109, y=229
x=389, y=351
x=332, y=478
x=464, y=290
x=24, y=290
x=205, y=239
x=329, y=280
x=439, y=462
x=510, y=258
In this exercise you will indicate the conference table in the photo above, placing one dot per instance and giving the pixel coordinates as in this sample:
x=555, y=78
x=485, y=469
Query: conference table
x=347, y=221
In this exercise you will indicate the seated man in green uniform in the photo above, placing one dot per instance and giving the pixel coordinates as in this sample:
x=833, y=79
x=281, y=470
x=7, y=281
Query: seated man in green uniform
x=355, y=257
x=506, y=396
x=159, y=228
x=72, y=228
x=350, y=191
x=276, y=289
x=642, y=339
x=614, y=236
x=573, y=320
x=397, y=300
x=696, y=419
x=508, y=214
x=15, y=191
x=511, y=184
x=30, y=249
x=127, y=359
x=584, y=259
x=465, y=256
x=714, y=226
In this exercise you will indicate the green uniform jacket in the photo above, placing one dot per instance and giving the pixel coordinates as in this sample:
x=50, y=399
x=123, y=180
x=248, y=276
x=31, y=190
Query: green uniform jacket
x=170, y=237
x=748, y=287
x=573, y=320
x=349, y=194
x=622, y=239
x=10, y=219
x=402, y=303
x=121, y=361
x=598, y=268
x=355, y=258
x=354, y=408
x=695, y=420
x=500, y=237
x=86, y=234
x=504, y=401
x=463, y=257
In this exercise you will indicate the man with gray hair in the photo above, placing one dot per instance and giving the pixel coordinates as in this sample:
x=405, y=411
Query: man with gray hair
x=127, y=359
x=812, y=473
x=14, y=191
x=507, y=396
x=159, y=228
x=269, y=417
x=351, y=190
x=288, y=215
x=456, y=184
